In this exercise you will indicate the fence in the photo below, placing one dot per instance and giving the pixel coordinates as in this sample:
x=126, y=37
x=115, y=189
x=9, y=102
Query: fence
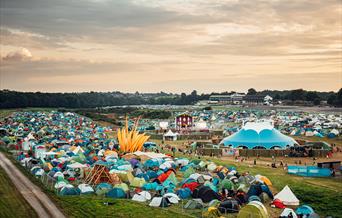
x=277, y=153
x=258, y=152
x=183, y=137
x=310, y=171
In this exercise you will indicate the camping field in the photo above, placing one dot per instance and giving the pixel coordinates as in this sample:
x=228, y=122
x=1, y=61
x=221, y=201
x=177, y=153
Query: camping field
x=12, y=204
x=323, y=194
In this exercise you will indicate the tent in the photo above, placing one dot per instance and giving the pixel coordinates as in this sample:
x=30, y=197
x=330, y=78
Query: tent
x=184, y=193
x=116, y=193
x=229, y=206
x=212, y=212
x=85, y=189
x=253, y=209
x=103, y=188
x=205, y=193
x=142, y=196
x=123, y=186
x=258, y=189
x=288, y=212
x=333, y=133
x=194, y=204
x=247, y=179
x=304, y=210
x=173, y=198
x=123, y=175
x=138, y=182
x=258, y=134
x=170, y=136
x=69, y=190
x=264, y=179
x=287, y=197
x=160, y=202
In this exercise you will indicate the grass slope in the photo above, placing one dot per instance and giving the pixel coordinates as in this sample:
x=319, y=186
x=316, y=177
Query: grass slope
x=324, y=195
x=93, y=206
x=12, y=203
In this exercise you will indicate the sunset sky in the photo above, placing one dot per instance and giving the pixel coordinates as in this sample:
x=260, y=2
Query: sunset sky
x=170, y=45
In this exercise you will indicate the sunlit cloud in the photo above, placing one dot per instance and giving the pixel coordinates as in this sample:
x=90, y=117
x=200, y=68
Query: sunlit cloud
x=134, y=45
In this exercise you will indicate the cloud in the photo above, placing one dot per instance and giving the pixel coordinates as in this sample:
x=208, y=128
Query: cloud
x=19, y=55
x=134, y=42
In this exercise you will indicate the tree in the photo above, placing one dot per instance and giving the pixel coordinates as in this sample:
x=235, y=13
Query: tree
x=297, y=94
x=251, y=91
x=331, y=99
x=338, y=101
x=317, y=101
x=311, y=96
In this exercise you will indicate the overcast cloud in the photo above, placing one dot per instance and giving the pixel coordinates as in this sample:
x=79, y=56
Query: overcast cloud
x=170, y=45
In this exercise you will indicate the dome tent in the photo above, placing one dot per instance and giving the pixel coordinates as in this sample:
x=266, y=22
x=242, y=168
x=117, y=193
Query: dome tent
x=258, y=134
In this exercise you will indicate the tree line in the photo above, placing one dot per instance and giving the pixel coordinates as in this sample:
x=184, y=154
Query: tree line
x=14, y=99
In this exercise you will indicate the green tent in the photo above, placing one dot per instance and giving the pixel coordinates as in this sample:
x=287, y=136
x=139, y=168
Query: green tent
x=172, y=178
x=194, y=204
x=138, y=182
x=227, y=184
x=188, y=172
x=253, y=209
x=123, y=186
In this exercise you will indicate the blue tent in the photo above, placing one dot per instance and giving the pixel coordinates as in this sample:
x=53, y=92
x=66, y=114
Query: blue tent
x=258, y=135
x=69, y=191
x=116, y=193
x=184, y=193
x=304, y=210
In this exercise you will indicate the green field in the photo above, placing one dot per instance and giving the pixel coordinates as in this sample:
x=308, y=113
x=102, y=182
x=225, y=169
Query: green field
x=93, y=206
x=12, y=204
x=322, y=194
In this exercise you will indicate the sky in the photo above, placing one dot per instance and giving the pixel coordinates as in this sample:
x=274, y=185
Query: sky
x=170, y=45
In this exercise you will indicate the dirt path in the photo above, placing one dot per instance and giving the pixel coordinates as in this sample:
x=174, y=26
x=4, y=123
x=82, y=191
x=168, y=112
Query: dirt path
x=32, y=194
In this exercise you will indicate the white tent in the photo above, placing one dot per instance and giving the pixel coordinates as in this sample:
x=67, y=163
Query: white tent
x=170, y=135
x=164, y=125
x=166, y=165
x=85, y=188
x=58, y=174
x=287, y=211
x=287, y=197
x=150, y=154
x=335, y=132
x=77, y=165
x=201, y=125
x=173, y=198
x=142, y=196
x=156, y=201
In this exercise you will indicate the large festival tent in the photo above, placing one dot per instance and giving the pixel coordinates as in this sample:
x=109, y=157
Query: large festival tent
x=258, y=135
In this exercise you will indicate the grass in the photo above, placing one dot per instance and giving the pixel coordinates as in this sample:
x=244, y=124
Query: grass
x=93, y=206
x=12, y=203
x=324, y=195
